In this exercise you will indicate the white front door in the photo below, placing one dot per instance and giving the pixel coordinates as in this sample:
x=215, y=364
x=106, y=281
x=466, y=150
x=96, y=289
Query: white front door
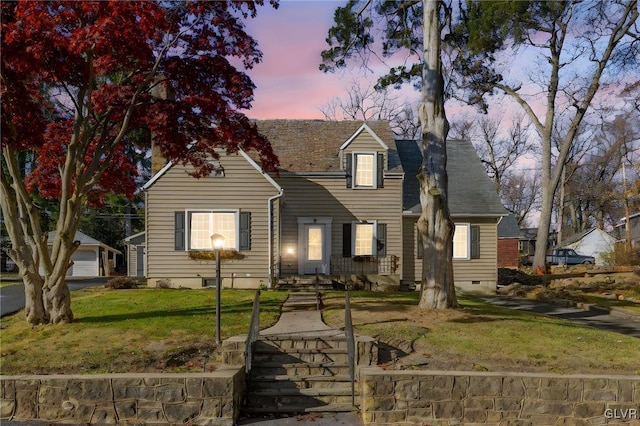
x=314, y=248
x=314, y=240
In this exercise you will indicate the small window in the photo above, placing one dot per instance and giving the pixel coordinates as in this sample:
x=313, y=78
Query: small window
x=461, y=242
x=364, y=170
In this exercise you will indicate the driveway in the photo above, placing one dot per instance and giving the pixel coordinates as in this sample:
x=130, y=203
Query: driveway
x=12, y=297
x=602, y=318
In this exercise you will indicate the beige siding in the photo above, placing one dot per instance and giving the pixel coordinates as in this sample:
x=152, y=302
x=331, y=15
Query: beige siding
x=329, y=197
x=475, y=274
x=243, y=188
x=363, y=143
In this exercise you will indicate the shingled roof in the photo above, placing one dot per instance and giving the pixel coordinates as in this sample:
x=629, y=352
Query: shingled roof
x=314, y=145
x=471, y=192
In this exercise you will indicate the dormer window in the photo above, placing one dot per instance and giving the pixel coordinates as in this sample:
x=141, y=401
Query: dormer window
x=365, y=170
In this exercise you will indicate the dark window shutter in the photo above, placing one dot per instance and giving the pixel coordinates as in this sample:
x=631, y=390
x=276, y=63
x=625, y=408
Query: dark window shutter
x=179, y=229
x=475, y=242
x=245, y=230
x=380, y=163
x=381, y=236
x=349, y=170
x=346, y=240
x=420, y=250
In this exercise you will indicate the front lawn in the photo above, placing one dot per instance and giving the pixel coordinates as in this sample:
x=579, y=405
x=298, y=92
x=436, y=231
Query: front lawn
x=169, y=330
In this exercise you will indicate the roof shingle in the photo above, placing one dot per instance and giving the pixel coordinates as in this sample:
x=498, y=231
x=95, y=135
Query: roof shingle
x=314, y=145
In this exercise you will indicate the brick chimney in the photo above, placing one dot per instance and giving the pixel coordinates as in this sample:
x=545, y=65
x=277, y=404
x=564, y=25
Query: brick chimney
x=160, y=90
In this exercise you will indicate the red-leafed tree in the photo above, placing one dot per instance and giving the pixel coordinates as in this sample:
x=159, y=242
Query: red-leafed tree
x=79, y=81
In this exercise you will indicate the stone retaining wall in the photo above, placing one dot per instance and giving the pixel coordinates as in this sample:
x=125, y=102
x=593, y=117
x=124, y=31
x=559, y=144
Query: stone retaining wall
x=448, y=398
x=202, y=399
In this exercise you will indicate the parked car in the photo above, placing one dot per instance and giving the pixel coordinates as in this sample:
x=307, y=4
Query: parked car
x=563, y=256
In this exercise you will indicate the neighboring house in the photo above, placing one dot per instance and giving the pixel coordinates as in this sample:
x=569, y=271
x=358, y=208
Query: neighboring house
x=340, y=205
x=91, y=259
x=634, y=226
x=508, y=242
x=528, y=238
x=592, y=242
x=136, y=254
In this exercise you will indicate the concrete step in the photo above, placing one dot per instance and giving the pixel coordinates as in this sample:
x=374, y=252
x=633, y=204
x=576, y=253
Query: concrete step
x=301, y=342
x=305, y=286
x=264, y=382
x=309, y=397
x=300, y=369
x=294, y=409
x=301, y=355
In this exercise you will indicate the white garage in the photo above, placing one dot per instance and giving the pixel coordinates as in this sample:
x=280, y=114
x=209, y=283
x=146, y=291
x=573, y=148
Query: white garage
x=92, y=259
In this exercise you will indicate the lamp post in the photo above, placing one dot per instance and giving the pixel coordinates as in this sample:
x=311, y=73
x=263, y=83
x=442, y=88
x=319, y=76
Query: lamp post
x=217, y=241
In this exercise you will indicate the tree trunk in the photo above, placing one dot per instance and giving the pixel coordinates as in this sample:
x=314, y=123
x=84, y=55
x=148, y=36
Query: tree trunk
x=57, y=299
x=542, y=238
x=435, y=223
x=47, y=296
x=34, y=309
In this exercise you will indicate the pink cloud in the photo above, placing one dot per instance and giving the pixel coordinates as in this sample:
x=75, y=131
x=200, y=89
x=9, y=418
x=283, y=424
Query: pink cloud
x=289, y=83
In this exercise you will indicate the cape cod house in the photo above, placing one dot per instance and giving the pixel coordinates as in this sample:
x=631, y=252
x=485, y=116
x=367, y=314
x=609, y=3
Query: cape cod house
x=345, y=202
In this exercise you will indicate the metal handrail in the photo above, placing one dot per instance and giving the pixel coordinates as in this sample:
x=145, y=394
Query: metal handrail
x=254, y=330
x=351, y=344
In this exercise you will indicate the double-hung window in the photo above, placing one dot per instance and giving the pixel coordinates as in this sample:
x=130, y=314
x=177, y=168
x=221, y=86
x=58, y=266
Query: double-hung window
x=193, y=229
x=461, y=242
x=364, y=239
x=205, y=224
x=365, y=170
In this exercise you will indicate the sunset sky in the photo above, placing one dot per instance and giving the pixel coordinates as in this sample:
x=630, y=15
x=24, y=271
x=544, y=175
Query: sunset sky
x=289, y=83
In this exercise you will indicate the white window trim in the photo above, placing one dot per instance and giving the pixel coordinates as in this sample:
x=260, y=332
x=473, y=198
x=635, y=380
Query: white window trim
x=374, y=238
x=468, y=242
x=187, y=232
x=354, y=159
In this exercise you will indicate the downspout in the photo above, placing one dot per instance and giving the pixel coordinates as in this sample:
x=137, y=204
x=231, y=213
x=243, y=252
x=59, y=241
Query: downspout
x=270, y=201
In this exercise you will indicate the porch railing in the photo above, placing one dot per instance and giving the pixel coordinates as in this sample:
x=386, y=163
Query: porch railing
x=364, y=265
x=254, y=330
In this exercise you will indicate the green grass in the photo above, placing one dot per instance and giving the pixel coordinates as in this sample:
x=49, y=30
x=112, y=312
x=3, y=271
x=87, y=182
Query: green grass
x=480, y=336
x=164, y=330
x=135, y=329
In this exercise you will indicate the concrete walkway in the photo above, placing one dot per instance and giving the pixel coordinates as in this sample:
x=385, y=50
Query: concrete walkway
x=301, y=318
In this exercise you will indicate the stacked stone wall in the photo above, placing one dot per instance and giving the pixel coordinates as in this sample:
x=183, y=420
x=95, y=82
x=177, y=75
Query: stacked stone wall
x=455, y=398
x=197, y=399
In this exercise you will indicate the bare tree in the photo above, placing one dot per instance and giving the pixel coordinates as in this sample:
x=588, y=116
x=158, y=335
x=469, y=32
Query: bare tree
x=499, y=154
x=573, y=63
x=596, y=190
x=368, y=103
x=520, y=193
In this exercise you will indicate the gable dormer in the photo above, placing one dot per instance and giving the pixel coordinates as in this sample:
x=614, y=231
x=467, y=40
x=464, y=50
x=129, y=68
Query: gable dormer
x=364, y=157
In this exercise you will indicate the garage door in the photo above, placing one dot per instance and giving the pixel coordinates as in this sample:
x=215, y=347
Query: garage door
x=84, y=263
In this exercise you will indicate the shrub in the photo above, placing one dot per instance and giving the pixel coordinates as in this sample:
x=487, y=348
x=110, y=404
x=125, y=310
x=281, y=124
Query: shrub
x=121, y=283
